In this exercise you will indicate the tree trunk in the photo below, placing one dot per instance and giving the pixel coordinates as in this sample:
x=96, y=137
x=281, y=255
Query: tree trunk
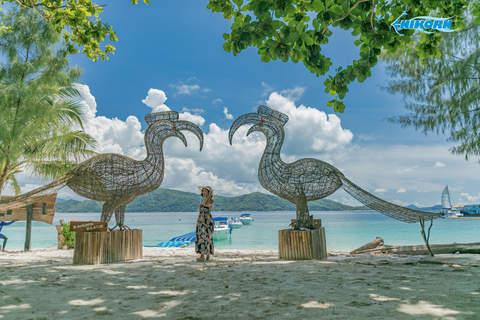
x=2, y=182
x=3, y=179
x=426, y=238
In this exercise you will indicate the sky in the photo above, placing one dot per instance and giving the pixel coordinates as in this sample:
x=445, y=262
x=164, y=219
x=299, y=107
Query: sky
x=170, y=57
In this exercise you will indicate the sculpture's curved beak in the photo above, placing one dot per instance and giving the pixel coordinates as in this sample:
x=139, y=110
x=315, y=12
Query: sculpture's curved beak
x=179, y=135
x=248, y=118
x=254, y=128
x=187, y=125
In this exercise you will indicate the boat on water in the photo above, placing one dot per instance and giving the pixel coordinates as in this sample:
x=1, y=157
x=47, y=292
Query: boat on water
x=222, y=229
x=235, y=223
x=470, y=211
x=246, y=218
x=458, y=212
x=447, y=210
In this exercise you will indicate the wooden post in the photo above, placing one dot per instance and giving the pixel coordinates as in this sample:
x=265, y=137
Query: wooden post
x=28, y=234
x=302, y=244
x=107, y=247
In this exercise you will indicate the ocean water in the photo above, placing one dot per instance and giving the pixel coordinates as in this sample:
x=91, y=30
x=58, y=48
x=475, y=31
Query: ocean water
x=345, y=230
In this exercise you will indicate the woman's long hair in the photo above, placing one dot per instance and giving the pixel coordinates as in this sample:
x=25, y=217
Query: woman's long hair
x=208, y=198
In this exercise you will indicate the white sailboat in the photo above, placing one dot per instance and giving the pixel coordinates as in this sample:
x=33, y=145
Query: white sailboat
x=447, y=210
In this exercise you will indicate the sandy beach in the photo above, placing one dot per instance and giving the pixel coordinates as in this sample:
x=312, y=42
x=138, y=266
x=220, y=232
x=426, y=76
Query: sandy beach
x=239, y=284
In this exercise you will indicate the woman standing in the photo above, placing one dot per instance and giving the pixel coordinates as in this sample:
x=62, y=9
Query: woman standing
x=204, y=234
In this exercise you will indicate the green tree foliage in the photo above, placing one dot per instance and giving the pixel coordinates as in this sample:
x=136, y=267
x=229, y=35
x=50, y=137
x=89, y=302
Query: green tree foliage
x=296, y=30
x=81, y=17
x=443, y=94
x=167, y=200
x=41, y=125
x=69, y=235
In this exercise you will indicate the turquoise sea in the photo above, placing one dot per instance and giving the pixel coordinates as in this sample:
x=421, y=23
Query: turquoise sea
x=345, y=230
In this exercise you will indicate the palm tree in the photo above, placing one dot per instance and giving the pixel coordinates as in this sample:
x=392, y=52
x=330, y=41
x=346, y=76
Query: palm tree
x=41, y=120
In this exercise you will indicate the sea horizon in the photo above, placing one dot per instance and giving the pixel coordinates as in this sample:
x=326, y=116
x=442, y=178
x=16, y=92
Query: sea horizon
x=345, y=230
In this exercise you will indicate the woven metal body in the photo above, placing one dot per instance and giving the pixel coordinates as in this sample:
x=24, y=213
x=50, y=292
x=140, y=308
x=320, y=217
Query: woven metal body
x=308, y=179
x=117, y=179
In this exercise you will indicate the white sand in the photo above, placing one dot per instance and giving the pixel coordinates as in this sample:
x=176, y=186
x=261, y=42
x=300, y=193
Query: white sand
x=168, y=283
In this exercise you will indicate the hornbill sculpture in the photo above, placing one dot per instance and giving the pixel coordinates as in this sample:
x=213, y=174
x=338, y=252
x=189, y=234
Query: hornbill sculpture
x=307, y=179
x=114, y=178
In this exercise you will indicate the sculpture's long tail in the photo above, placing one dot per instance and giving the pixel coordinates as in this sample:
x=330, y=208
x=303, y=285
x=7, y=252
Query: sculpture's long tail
x=34, y=195
x=382, y=206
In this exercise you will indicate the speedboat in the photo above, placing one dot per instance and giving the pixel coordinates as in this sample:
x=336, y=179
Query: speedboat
x=235, y=223
x=246, y=218
x=221, y=230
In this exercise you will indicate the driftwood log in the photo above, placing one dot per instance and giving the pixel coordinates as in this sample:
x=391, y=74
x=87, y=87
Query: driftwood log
x=371, y=245
x=419, y=249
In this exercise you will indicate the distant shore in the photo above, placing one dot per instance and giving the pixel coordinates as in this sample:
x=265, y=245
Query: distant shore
x=247, y=284
x=170, y=200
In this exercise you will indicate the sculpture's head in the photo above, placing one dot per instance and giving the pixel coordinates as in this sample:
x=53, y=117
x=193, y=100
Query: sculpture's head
x=266, y=120
x=156, y=124
x=159, y=131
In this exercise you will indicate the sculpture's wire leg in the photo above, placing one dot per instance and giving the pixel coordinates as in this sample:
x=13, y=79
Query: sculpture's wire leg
x=107, y=212
x=120, y=217
x=303, y=215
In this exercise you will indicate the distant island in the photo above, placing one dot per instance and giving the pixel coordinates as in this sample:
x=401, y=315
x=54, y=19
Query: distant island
x=168, y=200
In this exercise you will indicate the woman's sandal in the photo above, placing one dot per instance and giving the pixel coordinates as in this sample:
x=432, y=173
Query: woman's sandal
x=201, y=259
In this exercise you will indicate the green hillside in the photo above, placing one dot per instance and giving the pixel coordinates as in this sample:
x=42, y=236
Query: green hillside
x=168, y=200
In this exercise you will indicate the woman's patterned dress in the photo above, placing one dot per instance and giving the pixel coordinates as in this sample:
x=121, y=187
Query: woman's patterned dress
x=204, y=236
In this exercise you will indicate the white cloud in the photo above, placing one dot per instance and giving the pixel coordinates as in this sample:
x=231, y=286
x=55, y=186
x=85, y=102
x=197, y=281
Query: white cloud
x=217, y=101
x=310, y=130
x=464, y=196
x=293, y=94
x=156, y=97
x=364, y=137
x=224, y=167
x=156, y=100
x=194, y=110
x=407, y=169
x=186, y=89
x=115, y=135
x=380, y=190
x=184, y=174
x=401, y=190
x=439, y=164
x=266, y=89
x=198, y=120
x=227, y=115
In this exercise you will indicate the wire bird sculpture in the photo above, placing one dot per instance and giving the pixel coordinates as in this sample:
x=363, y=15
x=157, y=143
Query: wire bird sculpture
x=115, y=178
x=308, y=179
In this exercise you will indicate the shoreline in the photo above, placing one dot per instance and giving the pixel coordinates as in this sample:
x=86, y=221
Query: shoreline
x=248, y=284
